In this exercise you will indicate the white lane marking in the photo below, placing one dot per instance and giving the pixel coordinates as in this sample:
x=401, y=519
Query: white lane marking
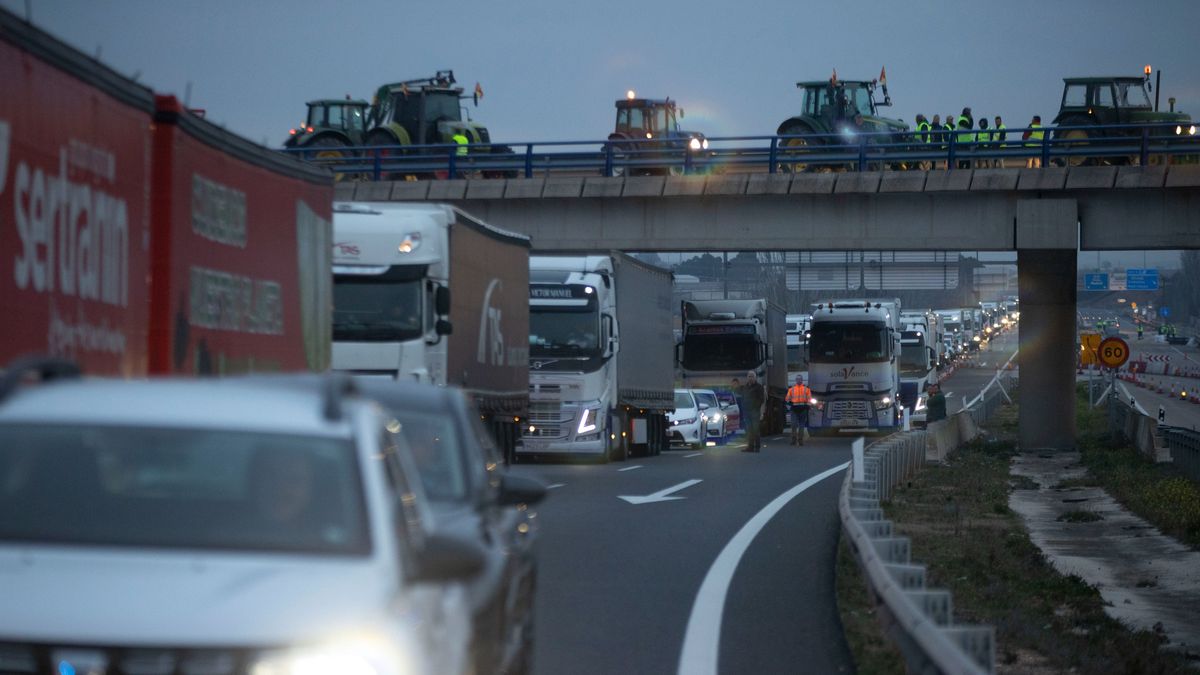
x=555, y=486
x=701, y=642
x=661, y=495
x=631, y=468
x=694, y=454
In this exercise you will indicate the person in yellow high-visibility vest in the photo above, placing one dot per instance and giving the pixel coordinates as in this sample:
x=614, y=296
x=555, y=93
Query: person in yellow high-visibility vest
x=798, y=398
x=1033, y=139
x=461, y=152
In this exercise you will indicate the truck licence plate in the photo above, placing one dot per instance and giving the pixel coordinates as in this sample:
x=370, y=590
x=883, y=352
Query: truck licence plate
x=535, y=446
x=850, y=422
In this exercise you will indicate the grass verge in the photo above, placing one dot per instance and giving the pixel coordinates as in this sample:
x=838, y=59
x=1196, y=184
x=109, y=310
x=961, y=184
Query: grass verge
x=1159, y=493
x=873, y=652
x=961, y=528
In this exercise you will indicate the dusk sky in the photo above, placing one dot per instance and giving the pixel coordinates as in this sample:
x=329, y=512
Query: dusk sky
x=551, y=69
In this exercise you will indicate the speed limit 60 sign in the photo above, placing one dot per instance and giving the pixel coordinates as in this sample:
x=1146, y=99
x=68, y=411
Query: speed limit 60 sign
x=1113, y=352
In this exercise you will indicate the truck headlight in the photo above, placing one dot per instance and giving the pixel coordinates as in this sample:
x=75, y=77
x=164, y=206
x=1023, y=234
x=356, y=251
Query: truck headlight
x=920, y=404
x=357, y=657
x=694, y=144
x=816, y=403
x=883, y=403
x=704, y=141
x=587, y=420
x=1191, y=132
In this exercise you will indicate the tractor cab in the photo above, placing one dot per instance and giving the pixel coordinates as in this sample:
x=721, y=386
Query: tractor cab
x=343, y=120
x=424, y=111
x=832, y=104
x=1091, y=101
x=653, y=119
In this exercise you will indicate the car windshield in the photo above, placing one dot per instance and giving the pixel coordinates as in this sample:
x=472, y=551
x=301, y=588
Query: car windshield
x=180, y=489
x=558, y=331
x=848, y=343
x=434, y=443
x=683, y=399
x=369, y=309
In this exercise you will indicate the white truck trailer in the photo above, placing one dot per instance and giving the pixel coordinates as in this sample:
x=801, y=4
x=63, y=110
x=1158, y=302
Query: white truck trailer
x=427, y=293
x=601, y=377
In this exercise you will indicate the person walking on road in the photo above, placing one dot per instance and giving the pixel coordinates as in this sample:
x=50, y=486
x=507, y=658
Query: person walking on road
x=935, y=407
x=753, y=396
x=798, y=396
x=1139, y=326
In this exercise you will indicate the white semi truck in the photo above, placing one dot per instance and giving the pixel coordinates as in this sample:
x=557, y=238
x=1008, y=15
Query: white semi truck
x=427, y=293
x=601, y=378
x=854, y=365
x=921, y=350
x=726, y=339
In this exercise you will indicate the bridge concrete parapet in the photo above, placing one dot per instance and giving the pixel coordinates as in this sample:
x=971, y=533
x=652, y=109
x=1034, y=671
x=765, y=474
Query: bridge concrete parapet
x=406, y=190
x=485, y=189
x=768, y=184
x=903, y=181
x=813, y=183
x=524, y=188
x=563, y=187
x=1091, y=177
x=857, y=181
x=1184, y=176
x=681, y=186
x=447, y=190
x=731, y=184
x=1049, y=178
x=958, y=180
x=599, y=186
x=643, y=186
x=1134, y=177
x=994, y=179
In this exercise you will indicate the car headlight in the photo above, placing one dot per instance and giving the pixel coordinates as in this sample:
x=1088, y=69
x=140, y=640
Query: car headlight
x=587, y=420
x=883, y=403
x=357, y=657
x=716, y=417
x=1178, y=130
x=686, y=420
x=694, y=144
x=1191, y=132
x=704, y=142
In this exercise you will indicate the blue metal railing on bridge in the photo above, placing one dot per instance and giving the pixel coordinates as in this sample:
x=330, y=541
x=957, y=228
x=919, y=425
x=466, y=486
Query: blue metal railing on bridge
x=848, y=151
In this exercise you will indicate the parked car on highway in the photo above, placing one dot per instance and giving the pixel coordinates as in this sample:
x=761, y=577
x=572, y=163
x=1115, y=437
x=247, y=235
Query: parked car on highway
x=463, y=474
x=688, y=425
x=225, y=526
x=733, y=413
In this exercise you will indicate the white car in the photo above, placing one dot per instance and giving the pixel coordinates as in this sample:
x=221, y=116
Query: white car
x=225, y=527
x=716, y=416
x=688, y=426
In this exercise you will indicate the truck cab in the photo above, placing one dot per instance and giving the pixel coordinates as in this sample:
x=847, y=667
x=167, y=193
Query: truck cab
x=854, y=354
x=919, y=349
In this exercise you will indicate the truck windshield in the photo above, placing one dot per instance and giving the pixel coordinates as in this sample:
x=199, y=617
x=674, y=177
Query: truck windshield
x=370, y=309
x=721, y=352
x=914, y=358
x=180, y=488
x=795, y=356
x=848, y=343
x=442, y=106
x=557, y=331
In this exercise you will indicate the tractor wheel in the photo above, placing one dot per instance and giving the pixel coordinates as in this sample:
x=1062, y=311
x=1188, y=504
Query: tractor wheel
x=380, y=137
x=796, y=147
x=1073, y=140
x=329, y=151
x=504, y=153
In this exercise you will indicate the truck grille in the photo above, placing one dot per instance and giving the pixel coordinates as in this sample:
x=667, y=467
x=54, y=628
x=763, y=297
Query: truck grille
x=850, y=410
x=547, y=419
x=545, y=388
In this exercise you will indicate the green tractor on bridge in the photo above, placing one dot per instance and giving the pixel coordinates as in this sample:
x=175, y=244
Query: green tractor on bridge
x=1096, y=101
x=331, y=124
x=426, y=111
x=842, y=107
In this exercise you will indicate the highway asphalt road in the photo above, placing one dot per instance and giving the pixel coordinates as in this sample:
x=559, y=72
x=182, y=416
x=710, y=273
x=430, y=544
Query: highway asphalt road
x=1177, y=412
x=733, y=575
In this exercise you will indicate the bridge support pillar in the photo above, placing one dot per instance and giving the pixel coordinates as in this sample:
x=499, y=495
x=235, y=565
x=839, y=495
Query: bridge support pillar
x=1047, y=235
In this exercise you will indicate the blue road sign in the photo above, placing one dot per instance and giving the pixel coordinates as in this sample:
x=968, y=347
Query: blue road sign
x=1141, y=279
x=1097, y=281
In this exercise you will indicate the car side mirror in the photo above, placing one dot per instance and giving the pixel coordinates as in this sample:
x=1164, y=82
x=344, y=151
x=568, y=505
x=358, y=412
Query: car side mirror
x=448, y=558
x=516, y=490
x=703, y=407
x=441, y=301
x=443, y=327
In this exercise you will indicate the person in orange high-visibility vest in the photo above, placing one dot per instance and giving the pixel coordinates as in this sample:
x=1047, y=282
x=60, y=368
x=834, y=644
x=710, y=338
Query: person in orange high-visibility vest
x=798, y=398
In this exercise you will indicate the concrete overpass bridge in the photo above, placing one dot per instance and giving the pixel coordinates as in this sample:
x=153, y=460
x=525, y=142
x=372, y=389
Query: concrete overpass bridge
x=1045, y=215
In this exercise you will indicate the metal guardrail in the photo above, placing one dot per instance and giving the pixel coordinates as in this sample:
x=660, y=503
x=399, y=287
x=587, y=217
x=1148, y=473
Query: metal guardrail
x=921, y=619
x=1184, y=445
x=850, y=150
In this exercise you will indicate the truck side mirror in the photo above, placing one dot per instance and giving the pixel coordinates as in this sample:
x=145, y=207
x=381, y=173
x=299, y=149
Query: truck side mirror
x=441, y=302
x=679, y=353
x=443, y=327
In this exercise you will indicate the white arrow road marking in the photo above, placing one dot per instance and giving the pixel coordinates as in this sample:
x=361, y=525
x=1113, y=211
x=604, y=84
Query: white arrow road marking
x=702, y=641
x=553, y=486
x=631, y=468
x=661, y=495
